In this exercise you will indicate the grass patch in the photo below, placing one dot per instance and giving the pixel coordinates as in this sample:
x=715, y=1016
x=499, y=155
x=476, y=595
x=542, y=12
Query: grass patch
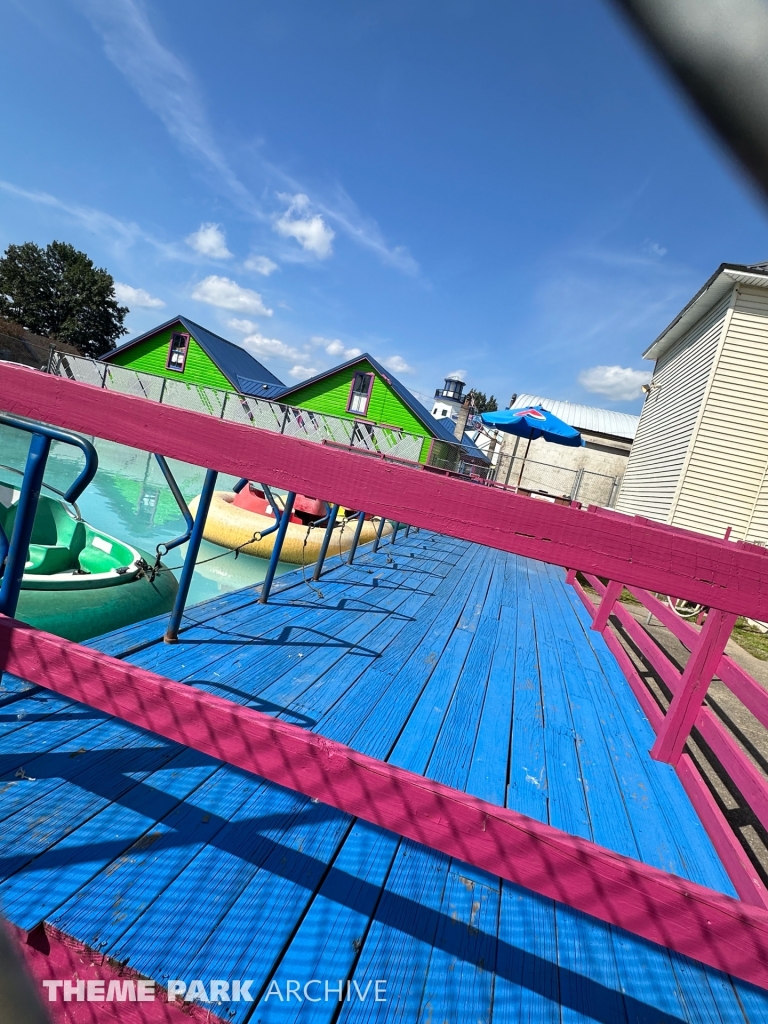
x=751, y=639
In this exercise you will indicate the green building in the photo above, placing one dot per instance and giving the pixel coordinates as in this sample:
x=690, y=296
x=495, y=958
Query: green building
x=362, y=389
x=183, y=350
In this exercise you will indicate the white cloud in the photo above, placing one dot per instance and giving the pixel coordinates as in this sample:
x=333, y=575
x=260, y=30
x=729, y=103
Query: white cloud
x=619, y=383
x=309, y=229
x=170, y=90
x=261, y=346
x=209, y=240
x=302, y=372
x=136, y=297
x=461, y=374
x=397, y=365
x=220, y=291
x=243, y=326
x=335, y=347
x=261, y=265
x=164, y=83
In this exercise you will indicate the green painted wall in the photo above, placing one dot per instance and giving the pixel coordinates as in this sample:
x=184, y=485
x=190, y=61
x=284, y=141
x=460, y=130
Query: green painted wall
x=331, y=394
x=150, y=356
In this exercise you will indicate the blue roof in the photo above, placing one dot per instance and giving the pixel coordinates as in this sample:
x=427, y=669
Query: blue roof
x=258, y=388
x=435, y=427
x=234, y=362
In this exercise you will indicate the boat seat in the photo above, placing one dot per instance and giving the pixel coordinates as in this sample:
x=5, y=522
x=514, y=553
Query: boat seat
x=48, y=559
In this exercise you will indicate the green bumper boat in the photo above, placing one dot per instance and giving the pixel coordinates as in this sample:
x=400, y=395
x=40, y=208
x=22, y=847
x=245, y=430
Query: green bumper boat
x=79, y=582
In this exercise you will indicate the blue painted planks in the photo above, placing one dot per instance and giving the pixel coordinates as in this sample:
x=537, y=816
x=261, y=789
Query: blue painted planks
x=474, y=667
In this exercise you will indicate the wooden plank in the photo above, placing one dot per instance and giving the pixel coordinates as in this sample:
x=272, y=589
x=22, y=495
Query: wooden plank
x=698, y=922
x=621, y=814
x=105, y=908
x=713, y=572
x=608, y=600
x=584, y=947
x=698, y=673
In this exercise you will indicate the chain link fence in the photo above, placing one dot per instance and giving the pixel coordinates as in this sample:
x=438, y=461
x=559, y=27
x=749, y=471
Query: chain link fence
x=384, y=442
x=559, y=482
x=389, y=443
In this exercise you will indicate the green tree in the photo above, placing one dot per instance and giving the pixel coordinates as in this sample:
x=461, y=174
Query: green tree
x=57, y=292
x=483, y=404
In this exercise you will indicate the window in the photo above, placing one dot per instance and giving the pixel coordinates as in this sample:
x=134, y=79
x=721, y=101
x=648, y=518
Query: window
x=360, y=393
x=177, y=352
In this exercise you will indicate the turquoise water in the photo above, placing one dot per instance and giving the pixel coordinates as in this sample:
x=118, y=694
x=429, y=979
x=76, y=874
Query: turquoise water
x=130, y=500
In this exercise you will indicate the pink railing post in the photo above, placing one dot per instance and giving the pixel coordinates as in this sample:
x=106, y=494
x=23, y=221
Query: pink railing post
x=694, y=684
x=610, y=597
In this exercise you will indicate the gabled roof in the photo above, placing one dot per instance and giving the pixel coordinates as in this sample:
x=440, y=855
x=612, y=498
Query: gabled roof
x=719, y=285
x=234, y=362
x=586, y=417
x=435, y=427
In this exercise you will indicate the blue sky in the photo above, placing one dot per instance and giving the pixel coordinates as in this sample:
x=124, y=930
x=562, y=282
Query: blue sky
x=511, y=190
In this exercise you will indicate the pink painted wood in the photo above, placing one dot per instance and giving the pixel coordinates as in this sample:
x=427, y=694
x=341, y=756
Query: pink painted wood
x=750, y=782
x=610, y=597
x=699, y=670
x=729, y=850
x=51, y=955
x=740, y=682
x=698, y=922
x=703, y=569
x=747, y=778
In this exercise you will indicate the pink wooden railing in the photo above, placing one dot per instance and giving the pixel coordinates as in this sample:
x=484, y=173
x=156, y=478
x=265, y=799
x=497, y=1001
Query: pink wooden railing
x=728, y=934
x=687, y=710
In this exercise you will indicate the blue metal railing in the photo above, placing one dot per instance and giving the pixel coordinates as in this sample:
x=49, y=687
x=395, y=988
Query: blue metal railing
x=14, y=552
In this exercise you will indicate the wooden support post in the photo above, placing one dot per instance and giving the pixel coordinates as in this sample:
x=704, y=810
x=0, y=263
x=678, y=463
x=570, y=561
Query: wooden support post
x=610, y=597
x=694, y=684
x=356, y=538
x=326, y=541
x=277, y=547
x=570, y=576
x=193, y=548
x=379, y=532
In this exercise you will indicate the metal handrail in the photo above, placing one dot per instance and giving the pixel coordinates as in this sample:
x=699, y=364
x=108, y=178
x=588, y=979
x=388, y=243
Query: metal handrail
x=48, y=487
x=91, y=456
x=13, y=552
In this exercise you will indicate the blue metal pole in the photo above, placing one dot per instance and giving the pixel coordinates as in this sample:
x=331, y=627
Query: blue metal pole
x=407, y=530
x=24, y=522
x=356, y=538
x=394, y=533
x=379, y=532
x=285, y=518
x=326, y=541
x=172, y=632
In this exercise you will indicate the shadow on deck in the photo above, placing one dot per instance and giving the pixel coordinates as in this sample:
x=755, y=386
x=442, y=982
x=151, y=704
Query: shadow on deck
x=471, y=666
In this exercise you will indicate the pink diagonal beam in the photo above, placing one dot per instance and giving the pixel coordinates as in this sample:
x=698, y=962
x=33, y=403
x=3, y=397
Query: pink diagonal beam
x=658, y=558
x=678, y=914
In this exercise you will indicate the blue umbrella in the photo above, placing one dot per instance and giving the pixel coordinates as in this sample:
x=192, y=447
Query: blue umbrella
x=531, y=422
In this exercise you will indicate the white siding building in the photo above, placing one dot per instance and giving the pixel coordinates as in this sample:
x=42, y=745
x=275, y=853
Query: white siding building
x=700, y=457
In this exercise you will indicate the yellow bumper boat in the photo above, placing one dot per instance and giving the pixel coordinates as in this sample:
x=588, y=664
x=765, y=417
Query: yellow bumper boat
x=235, y=521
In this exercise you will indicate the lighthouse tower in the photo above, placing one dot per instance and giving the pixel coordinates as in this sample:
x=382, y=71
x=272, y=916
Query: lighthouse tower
x=449, y=398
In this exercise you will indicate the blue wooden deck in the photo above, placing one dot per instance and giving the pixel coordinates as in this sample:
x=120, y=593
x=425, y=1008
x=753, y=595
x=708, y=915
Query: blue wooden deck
x=471, y=666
